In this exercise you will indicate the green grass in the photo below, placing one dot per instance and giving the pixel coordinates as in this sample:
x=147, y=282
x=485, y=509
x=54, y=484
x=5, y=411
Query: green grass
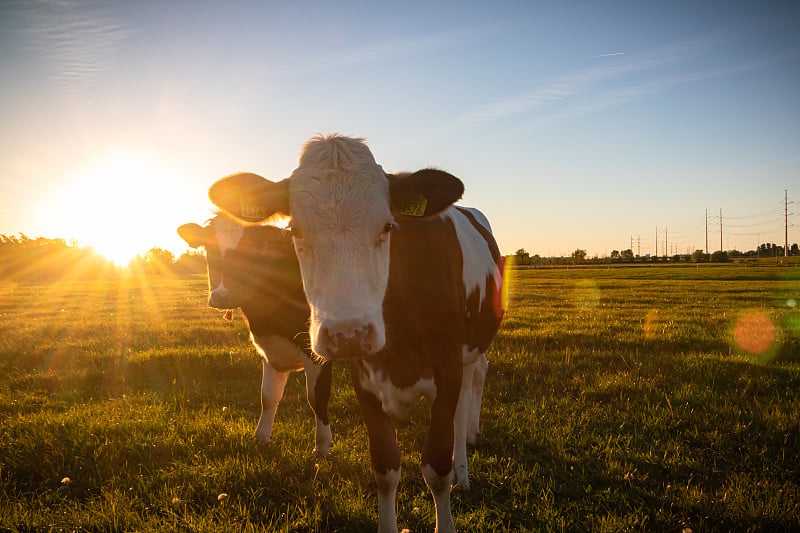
x=617, y=399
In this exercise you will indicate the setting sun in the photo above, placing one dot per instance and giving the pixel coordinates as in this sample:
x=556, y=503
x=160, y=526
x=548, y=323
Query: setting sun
x=120, y=205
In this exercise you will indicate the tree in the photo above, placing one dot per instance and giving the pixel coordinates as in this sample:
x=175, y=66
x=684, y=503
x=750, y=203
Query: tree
x=578, y=256
x=191, y=262
x=159, y=256
x=698, y=256
x=614, y=255
x=521, y=257
x=719, y=257
x=155, y=261
x=627, y=255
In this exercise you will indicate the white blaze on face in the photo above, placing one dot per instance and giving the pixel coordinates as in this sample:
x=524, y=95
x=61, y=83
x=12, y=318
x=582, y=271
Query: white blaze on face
x=228, y=234
x=339, y=214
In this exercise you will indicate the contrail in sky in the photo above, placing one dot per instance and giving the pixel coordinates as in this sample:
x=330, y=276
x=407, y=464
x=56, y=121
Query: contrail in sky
x=610, y=55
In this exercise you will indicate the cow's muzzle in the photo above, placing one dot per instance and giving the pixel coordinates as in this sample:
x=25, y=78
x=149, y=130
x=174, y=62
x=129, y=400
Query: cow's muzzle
x=349, y=338
x=221, y=299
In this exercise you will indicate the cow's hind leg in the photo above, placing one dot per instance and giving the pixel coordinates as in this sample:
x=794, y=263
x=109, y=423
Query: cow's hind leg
x=318, y=393
x=478, y=382
x=272, y=384
x=463, y=412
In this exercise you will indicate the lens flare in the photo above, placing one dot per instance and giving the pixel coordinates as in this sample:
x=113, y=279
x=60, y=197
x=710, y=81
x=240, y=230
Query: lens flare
x=509, y=275
x=586, y=294
x=793, y=323
x=754, y=333
x=650, y=325
x=790, y=303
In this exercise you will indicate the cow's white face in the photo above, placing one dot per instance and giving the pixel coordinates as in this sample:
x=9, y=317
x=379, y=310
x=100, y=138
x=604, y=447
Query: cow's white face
x=342, y=207
x=227, y=235
x=219, y=237
x=341, y=223
x=242, y=260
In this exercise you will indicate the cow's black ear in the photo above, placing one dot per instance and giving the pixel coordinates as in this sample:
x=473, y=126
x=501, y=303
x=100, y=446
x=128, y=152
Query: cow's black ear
x=250, y=197
x=424, y=193
x=194, y=235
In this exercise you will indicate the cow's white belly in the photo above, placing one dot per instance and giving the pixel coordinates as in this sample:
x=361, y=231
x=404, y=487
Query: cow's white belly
x=395, y=401
x=280, y=353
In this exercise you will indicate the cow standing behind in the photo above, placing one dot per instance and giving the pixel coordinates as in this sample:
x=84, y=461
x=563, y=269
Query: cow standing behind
x=255, y=268
x=401, y=284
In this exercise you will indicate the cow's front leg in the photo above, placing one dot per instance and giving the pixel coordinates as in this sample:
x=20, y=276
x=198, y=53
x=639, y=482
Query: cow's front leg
x=437, y=456
x=272, y=384
x=318, y=393
x=461, y=472
x=385, y=455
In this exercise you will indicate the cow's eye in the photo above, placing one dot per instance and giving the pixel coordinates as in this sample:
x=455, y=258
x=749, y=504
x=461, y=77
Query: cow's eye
x=384, y=236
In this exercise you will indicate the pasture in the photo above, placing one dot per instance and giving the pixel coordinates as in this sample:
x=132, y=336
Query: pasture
x=649, y=398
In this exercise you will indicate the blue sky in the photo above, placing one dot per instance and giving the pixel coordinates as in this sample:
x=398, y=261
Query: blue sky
x=572, y=124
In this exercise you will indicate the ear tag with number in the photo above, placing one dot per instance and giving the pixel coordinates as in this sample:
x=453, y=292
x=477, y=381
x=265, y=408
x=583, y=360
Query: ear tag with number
x=251, y=209
x=416, y=207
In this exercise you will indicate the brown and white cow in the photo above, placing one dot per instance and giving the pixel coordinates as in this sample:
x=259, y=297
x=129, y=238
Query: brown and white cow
x=255, y=268
x=400, y=283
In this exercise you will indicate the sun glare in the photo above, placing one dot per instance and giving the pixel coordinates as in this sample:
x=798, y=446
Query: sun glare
x=120, y=206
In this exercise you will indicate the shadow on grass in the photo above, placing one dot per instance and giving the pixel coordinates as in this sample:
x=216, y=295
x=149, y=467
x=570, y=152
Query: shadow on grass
x=657, y=435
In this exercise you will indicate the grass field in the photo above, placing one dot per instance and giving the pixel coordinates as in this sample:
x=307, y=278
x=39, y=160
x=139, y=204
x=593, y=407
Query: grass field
x=651, y=399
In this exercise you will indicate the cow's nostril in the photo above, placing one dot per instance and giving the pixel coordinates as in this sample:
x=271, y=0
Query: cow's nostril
x=348, y=338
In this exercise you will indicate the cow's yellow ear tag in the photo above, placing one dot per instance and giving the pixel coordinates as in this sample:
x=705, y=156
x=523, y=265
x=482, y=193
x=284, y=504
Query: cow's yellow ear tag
x=415, y=208
x=252, y=209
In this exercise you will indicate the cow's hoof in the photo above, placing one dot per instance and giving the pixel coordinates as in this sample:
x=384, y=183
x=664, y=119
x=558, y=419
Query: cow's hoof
x=262, y=440
x=322, y=453
x=460, y=480
x=323, y=440
x=460, y=486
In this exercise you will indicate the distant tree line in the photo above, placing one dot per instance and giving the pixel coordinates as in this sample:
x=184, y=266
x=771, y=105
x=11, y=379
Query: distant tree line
x=40, y=259
x=522, y=258
x=26, y=259
x=163, y=262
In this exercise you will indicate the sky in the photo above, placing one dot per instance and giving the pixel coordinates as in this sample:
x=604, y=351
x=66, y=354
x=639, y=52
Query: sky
x=593, y=125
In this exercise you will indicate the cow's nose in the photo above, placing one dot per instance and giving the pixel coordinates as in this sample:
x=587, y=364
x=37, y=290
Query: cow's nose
x=221, y=299
x=349, y=338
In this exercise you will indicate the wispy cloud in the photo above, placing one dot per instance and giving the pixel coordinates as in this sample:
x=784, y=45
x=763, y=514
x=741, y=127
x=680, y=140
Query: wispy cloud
x=563, y=88
x=76, y=39
x=628, y=93
x=593, y=88
x=375, y=52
